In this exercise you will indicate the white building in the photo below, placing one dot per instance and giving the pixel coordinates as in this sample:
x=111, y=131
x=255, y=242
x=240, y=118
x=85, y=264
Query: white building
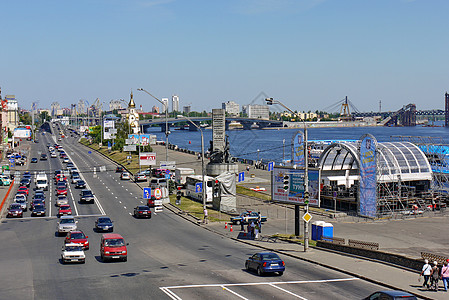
x=13, y=112
x=256, y=111
x=175, y=103
x=231, y=108
x=164, y=105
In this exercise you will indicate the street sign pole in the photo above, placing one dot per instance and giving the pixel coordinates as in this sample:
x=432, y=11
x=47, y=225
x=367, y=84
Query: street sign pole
x=306, y=190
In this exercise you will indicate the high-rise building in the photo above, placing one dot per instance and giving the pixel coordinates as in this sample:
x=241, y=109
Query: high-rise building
x=13, y=111
x=175, y=103
x=446, y=111
x=155, y=109
x=231, y=108
x=164, y=105
x=257, y=111
x=186, y=109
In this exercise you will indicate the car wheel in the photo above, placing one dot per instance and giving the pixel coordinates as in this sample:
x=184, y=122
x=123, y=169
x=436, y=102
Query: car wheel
x=238, y=222
x=281, y=273
x=247, y=266
x=125, y=259
x=259, y=271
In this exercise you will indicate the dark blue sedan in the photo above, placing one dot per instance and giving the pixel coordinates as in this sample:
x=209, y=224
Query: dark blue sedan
x=104, y=224
x=391, y=295
x=265, y=262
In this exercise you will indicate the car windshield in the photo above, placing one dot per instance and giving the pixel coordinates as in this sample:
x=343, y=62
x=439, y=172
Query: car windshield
x=64, y=207
x=104, y=220
x=41, y=181
x=61, y=187
x=15, y=206
x=67, y=221
x=270, y=256
x=73, y=248
x=143, y=208
x=87, y=193
x=20, y=200
x=114, y=242
x=77, y=235
x=39, y=206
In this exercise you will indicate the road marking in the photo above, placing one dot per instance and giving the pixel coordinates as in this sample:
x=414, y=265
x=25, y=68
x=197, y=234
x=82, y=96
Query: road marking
x=170, y=294
x=124, y=207
x=288, y=292
x=232, y=292
x=73, y=200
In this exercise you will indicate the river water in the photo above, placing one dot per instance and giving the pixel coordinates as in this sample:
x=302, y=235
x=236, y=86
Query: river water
x=270, y=142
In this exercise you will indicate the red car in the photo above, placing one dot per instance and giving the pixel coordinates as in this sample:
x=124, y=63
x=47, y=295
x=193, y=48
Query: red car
x=24, y=189
x=64, y=209
x=60, y=177
x=77, y=237
x=15, y=210
x=61, y=190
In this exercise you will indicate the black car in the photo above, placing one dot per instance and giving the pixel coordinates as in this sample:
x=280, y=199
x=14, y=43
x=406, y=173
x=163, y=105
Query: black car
x=142, y=211
x=87, y=196
x=44, y=156
x=104, y=224
x=34, y=160
x=25, y=182
x=39, y=210
x=119, y=169
x=36, y=202
x=391, y=295
x=80, y=184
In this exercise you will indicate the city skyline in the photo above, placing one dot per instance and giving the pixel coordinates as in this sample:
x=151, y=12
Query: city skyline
x=307, y=53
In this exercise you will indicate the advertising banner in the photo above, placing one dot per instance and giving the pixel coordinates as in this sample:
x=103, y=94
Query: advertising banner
x=141, y=139
x=368, y=179
x=294, y=194
x=131, y=148
x=22, y=133
x=108, y=123
x=298, y=149
x=147, y=159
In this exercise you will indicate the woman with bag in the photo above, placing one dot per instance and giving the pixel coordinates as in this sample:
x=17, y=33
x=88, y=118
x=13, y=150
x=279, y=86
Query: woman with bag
x=445, y=274
x=434, y=276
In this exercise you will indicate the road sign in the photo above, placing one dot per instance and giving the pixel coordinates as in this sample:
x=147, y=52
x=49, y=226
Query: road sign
x=147, y=159
x=167, y=176
x=241, y=176
x=270, y=166
x=168, y=164
x=157, y=194
x=307, y=217
x=146, y=193
x=131, y=148
x=199, y=187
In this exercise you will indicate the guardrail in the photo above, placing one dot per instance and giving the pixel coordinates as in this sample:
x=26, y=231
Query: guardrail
x=433, y=257
x=363, y=244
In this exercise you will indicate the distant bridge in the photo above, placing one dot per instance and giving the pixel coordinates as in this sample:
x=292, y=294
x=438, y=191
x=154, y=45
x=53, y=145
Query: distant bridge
x=385, y=114
x=247, y=123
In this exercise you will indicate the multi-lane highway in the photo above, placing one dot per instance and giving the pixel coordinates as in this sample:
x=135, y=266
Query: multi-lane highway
x=168, y=257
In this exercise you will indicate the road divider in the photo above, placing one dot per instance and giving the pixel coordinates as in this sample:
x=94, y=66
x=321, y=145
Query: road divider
x=6, y=196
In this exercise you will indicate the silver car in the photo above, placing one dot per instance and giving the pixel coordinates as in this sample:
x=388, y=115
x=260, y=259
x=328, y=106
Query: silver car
x=23, y=203
x=66, y=224
x=61, y=200
x=75, y=179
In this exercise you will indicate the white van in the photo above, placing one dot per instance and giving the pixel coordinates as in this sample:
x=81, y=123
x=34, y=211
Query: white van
x=41, y=181
x=181, y=175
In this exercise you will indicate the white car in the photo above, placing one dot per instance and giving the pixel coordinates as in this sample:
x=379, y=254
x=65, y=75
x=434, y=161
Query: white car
x=66, y=224
x=125, y=176
x=65, y=160
x=61, y=200
x=72, y=252
x=53, y=155
x=75, y=179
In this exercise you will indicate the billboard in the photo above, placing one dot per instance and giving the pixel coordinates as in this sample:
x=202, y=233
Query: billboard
x=108, y=123
x=22, y=133
x=147, y=159
x=294, y=194
x=141, y=139
x=298, y=149
x=368, y=177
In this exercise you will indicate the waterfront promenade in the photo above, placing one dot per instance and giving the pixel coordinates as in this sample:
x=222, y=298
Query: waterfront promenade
x=406, y=237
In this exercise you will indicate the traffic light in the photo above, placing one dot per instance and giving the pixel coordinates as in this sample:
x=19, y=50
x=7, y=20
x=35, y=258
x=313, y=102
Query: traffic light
x=216, y=188
x=178, y=196
x=286, y=182
x=306, y=198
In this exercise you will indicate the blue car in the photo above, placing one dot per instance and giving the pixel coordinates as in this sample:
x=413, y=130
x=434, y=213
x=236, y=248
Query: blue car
x=265, y=262
x=104, y=224
x=34, y=160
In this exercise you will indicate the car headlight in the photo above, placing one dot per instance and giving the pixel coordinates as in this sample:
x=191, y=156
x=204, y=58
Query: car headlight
x=107, y=252
x=124, y=251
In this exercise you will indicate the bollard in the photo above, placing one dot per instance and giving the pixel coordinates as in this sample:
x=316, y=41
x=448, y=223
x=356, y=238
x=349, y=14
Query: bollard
x=231, y=229
x=226, y=225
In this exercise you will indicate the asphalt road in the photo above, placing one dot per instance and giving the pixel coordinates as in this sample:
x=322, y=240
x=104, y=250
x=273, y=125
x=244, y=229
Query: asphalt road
x=169, y=257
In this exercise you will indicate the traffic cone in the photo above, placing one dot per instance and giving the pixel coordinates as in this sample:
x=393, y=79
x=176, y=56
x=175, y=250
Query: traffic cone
x=231, y=229
x=226, y=225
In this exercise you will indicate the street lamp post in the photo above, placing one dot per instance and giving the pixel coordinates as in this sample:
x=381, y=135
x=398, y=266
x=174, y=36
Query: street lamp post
x=270, y=101
x=167, y=132
x=203, y=189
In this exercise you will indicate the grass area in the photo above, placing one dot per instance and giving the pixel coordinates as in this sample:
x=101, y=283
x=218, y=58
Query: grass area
x=117, y=156
x=248, y=192
x=196, y=209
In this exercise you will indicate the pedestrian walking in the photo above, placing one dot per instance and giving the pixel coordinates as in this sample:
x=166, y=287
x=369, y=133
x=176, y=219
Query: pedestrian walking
x=426, y=271
x=248, y=228
x=206, y=220
x=256, y=231
x=259, y=222
x=253, y=226
x=445, y=274
x=247, y=168
x=434, y=277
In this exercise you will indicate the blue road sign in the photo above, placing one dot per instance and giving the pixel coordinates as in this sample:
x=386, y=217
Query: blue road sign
x=271, y=166
x=167, y=176
x=90, y=152
x=241, y=176
x=199, y=187
x=146, y=193
x=167, y=171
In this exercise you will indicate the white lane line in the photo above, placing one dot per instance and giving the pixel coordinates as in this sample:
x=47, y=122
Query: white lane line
x=73, y=200
x=170, y=294
x=31, y=218
x=124, y=207
x=120, y=202
x=232, y=292
x=288, y=292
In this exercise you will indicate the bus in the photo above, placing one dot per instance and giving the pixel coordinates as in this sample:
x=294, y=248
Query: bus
x=194, y=193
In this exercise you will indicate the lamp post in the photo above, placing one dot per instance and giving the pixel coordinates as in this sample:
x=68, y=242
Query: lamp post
x=167, y=132
x=203, y=189
x=270, y=101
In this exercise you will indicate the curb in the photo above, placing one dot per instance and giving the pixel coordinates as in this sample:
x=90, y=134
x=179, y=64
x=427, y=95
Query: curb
x=6, y=196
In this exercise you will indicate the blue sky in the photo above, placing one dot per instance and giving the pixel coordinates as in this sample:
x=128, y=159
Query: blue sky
x=309, y=54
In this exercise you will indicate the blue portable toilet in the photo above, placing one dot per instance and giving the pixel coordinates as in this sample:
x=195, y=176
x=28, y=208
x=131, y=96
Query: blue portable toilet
x=317, y=230
x=327, y=230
